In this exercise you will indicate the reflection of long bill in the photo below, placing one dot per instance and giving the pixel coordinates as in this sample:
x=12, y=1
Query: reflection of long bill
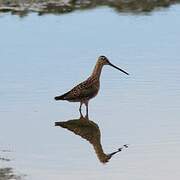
x=118, y=68
x=119, y=150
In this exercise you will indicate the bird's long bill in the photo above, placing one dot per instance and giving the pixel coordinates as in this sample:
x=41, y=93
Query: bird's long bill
x=118, y=68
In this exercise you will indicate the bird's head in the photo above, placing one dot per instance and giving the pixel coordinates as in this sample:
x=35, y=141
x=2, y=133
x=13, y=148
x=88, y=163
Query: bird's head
x=103, y=60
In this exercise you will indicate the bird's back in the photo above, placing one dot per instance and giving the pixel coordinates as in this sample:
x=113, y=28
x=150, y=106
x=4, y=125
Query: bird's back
x=83, y=91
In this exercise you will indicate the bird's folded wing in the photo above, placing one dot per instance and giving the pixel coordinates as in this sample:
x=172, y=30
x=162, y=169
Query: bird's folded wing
x=81, y=91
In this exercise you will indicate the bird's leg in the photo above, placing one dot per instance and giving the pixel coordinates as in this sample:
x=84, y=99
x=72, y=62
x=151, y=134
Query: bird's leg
x=86, y=104
x=80, y=109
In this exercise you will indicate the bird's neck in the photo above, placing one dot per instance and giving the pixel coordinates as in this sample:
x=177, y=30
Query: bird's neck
x=100, y=153
x=97, y=70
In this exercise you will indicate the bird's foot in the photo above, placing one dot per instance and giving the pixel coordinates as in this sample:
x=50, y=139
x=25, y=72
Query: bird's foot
x=87, y=117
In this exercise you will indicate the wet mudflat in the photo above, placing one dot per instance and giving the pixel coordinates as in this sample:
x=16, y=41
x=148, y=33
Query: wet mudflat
x=23, y=7
x=7, y=172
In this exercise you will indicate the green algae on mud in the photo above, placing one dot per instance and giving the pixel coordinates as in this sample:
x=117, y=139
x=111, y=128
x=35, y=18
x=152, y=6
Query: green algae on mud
x=23, y=7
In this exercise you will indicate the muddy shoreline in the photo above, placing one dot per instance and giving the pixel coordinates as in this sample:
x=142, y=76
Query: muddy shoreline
x=23, y=7
x=6, y=172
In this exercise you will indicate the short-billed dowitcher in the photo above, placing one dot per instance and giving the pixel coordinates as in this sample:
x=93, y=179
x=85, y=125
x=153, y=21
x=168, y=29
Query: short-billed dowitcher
x=89, y=88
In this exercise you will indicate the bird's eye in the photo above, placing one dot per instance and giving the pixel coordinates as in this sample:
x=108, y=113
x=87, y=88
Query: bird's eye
x=103, y=57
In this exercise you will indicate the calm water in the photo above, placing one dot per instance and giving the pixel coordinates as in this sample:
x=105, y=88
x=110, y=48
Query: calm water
x=44, y=56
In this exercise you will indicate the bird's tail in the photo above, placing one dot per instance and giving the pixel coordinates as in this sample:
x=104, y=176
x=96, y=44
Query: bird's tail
x=59, y=98
x=62, y=124
x=62, y=97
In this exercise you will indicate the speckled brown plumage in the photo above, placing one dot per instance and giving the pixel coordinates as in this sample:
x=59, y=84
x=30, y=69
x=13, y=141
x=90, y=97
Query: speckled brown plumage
x=83, y=91
x=89, y=88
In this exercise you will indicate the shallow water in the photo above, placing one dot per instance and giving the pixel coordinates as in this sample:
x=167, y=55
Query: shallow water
x=44, y=56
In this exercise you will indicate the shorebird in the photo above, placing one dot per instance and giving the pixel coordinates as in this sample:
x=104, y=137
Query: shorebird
x=89, y=88
x=89, y=130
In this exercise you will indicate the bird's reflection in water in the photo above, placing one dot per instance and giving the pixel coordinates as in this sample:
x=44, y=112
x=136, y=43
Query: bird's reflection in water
x=90, y=131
